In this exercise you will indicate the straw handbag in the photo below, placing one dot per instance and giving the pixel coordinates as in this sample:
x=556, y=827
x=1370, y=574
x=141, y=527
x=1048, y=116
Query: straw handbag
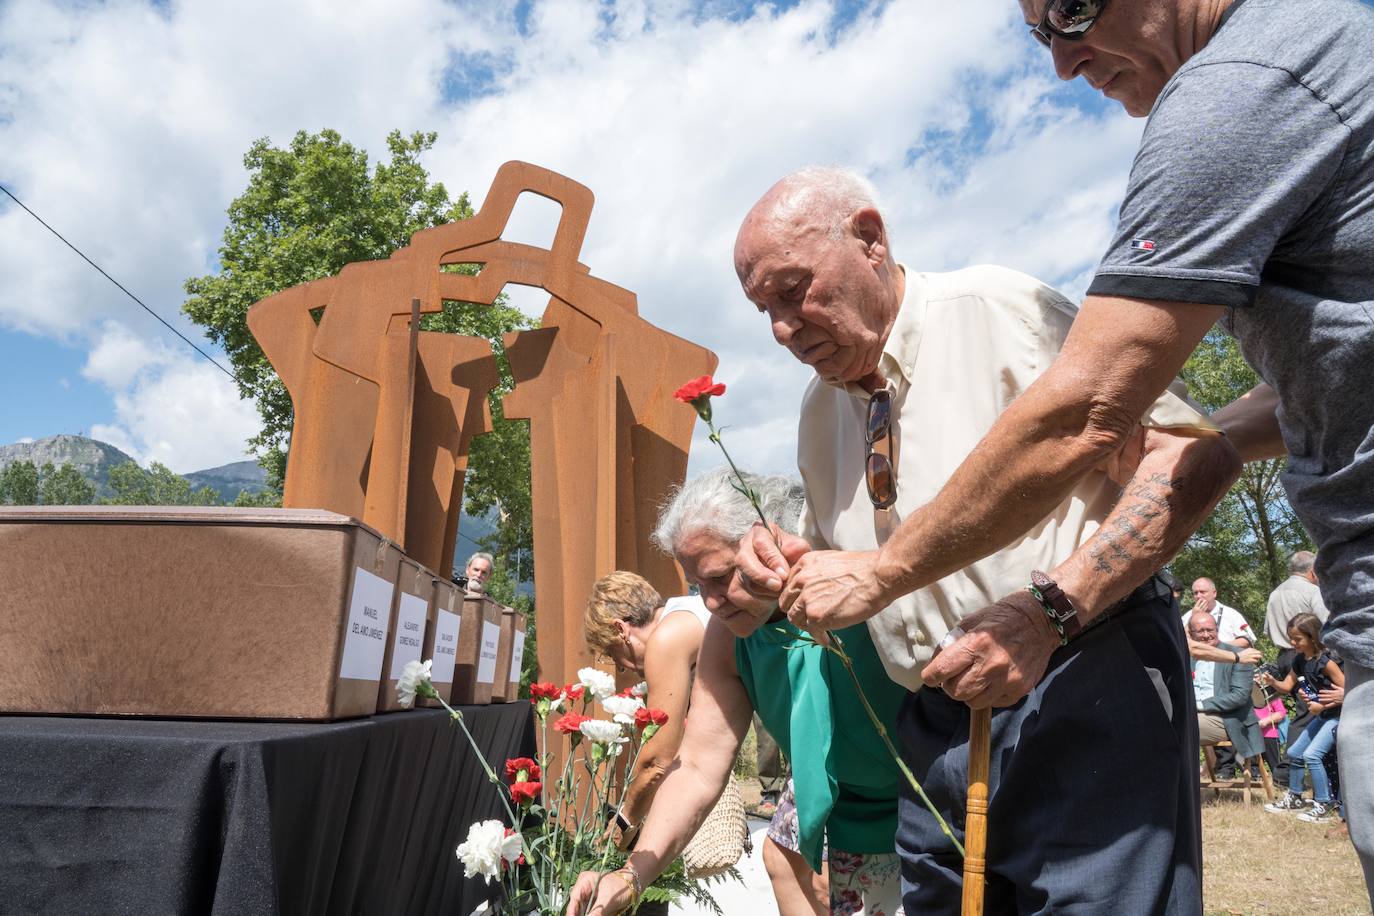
x=722, y=839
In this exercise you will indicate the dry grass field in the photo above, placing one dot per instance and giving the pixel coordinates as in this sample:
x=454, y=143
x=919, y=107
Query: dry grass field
x=1261, y=864
x=1255, y=862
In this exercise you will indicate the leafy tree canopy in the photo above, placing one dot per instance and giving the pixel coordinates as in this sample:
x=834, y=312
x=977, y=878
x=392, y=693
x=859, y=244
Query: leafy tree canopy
x=308, y=210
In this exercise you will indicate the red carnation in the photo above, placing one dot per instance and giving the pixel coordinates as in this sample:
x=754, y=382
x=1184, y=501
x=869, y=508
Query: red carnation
x=545, y=691
x=574, y=691
x=525, y=792
x=645, y=717
x=571, y=723
x=705, y=386
x=515, y=765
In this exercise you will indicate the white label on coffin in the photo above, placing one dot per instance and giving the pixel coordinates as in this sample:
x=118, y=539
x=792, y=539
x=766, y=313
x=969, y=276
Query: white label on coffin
x=517, y=657
x=410, y=633
x=486, y=665
x=369, y=613
x=445, y=647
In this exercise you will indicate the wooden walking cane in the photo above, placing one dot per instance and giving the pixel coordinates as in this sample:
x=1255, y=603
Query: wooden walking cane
x=976, y=821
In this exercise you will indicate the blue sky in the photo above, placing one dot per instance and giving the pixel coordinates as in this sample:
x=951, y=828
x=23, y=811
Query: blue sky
x=124, y=124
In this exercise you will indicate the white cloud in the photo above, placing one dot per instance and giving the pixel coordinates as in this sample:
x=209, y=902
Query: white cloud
x=169, y=407
x=125, y=126
x=25, y=440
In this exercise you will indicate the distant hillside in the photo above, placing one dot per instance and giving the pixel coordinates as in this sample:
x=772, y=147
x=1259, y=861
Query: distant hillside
x=94, y=459
x=230, y=479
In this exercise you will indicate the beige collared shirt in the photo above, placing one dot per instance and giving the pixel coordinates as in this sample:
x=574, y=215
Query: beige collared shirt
x=963, y=346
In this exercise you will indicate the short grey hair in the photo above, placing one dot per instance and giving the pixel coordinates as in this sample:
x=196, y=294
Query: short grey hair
x=1300, y=563
x=480, y=555
x=710, y=502
x=829, y=192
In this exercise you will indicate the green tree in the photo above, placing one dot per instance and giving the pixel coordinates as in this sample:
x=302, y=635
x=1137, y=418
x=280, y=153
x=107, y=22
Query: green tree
x=308, y=210
x=19, y=484
x=157, y=486
x=1245, y=544
x=65, y=486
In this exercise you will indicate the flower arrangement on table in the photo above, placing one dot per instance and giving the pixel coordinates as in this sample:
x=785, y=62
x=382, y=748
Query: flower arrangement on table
x=555, y=836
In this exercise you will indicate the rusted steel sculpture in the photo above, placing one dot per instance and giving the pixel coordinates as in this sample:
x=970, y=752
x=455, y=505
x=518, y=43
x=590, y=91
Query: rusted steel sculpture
x=385, y=413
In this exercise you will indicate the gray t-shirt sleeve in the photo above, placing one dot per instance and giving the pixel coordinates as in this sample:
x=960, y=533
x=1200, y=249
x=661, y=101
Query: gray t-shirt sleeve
x=1234, y=157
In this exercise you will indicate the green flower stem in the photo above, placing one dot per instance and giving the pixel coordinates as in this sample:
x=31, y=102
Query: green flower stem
x=838, y=649
x=744, y=487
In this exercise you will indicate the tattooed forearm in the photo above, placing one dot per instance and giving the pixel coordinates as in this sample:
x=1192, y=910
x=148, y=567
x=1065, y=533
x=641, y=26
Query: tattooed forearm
x=1177, y=483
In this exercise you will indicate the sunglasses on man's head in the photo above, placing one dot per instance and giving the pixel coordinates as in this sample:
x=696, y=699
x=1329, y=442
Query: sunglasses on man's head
x=1067, y=19
x=878, y=472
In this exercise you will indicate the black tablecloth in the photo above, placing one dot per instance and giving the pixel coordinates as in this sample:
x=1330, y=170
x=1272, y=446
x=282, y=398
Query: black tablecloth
x=152, y=817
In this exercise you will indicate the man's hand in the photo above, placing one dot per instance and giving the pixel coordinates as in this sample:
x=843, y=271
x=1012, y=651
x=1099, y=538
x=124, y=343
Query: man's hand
x=760, y=567
x=598, y=894
x=1001, y=655
x=833, y=589
x=1331, y=696
x=1250, y=656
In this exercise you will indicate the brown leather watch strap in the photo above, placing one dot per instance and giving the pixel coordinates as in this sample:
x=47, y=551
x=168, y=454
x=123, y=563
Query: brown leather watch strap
x=1057, y=604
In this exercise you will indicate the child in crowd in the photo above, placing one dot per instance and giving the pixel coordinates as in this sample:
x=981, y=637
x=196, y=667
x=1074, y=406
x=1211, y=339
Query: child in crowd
x=1271, y=712
x=1313, y=670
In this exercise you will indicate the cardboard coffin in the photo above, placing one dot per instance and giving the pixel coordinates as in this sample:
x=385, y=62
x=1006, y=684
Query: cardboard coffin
x=511, y=656
x=211, y=612
x=412, y=619
x=441, y=641
x=479, y=646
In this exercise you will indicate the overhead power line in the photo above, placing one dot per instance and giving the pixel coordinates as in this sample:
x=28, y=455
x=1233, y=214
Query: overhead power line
x=189, y=342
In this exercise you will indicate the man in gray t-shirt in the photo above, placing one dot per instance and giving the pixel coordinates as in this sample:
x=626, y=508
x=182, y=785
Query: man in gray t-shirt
x=1251, y=202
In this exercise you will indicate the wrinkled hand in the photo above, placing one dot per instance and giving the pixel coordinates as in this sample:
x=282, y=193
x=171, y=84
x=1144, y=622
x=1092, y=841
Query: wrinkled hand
x=760, y=567
x=833, y=589
x=1331, y=696
x=1002, y=655
x=1250, y=656
x=598, y=894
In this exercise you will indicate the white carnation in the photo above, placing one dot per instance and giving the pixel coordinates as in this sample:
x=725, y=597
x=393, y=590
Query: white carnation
x=412, y=676
x=485, y=847
x=601, y=731
x=641, y=689
x=598, y=683
x=623, y=709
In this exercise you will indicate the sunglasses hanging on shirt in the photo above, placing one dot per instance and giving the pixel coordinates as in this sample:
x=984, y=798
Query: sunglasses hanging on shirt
x=879, y=473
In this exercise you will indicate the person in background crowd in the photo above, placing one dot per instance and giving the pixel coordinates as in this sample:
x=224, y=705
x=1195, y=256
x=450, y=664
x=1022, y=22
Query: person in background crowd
x=1175, y=586
x=1222, y=691
x=478, y=572
x=627, y=622
x=1298, y=594
x=1313, y=671
x=773, y=770
x=1232, y=627
x=1273, y=721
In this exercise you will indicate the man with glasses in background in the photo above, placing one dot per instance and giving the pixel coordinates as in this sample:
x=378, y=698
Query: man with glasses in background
x=1096, y=774
x=1250, y=202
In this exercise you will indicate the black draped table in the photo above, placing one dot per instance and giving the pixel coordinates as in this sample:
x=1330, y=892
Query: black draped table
x=178, y=817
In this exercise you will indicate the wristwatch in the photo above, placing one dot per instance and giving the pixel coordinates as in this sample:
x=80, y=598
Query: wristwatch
x=1057, y=605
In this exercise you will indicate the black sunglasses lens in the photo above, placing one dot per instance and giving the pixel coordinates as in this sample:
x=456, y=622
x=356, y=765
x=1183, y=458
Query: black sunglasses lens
x=1073, y=17
x=878, y=473
x=879, y=415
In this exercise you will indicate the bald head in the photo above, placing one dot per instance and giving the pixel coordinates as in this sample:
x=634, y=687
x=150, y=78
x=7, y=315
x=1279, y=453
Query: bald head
x=1202, y=628
x=813, y=255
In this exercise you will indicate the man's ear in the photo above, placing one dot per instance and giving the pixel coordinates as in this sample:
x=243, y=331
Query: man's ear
x=867, y=224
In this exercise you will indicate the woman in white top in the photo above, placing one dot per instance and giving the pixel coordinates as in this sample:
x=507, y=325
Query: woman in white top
x=629, y=623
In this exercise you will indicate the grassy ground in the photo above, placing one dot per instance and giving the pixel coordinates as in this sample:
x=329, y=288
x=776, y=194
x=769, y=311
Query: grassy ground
x=1255, y=863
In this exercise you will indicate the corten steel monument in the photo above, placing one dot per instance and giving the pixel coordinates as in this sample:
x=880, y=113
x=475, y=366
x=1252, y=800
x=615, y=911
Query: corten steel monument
x=385, y=413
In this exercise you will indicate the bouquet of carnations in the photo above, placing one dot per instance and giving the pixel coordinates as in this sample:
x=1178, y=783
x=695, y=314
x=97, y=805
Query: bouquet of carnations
x=558, y=835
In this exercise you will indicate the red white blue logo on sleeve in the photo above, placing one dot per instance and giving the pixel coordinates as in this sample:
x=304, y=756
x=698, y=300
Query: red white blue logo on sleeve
x=1142, y=245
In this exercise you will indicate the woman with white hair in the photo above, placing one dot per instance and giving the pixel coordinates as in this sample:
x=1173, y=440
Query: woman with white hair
x=845, y=782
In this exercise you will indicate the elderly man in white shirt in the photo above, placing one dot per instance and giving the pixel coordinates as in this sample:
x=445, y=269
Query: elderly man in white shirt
x=1232, y=627
x=1093, y=774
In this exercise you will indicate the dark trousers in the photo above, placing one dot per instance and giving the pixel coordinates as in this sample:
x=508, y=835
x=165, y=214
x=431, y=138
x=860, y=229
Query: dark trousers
x=773, y=769
x=1093, y=784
